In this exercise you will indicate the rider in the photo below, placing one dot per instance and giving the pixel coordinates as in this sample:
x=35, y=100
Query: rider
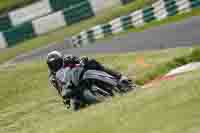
x=56, y=61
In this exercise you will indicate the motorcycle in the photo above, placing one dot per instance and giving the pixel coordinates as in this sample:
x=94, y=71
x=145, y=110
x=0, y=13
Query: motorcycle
x=90, y=86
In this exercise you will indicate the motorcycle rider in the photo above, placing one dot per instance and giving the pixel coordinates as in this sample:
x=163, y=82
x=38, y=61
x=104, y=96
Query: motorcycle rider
x=56, y=61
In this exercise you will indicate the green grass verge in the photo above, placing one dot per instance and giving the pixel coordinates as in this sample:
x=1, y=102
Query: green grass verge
x=28, y=105
x=60, y=34
x=192, y=56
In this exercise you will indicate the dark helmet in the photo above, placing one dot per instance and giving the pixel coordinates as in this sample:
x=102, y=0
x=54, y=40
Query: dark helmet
x=71, y=60
x=54, y=61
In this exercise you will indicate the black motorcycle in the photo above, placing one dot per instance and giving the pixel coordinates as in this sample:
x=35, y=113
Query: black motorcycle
x=89, y=87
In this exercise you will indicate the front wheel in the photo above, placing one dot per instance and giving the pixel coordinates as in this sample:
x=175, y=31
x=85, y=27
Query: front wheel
x=127, y=86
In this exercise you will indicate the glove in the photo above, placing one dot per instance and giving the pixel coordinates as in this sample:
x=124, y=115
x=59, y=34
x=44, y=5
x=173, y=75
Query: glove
x=84, y=60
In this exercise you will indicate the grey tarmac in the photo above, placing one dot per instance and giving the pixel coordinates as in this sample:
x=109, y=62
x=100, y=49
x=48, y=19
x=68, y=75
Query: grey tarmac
x=181, y=34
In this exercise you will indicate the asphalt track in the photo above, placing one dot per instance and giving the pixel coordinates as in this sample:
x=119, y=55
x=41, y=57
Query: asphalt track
x=181, y=34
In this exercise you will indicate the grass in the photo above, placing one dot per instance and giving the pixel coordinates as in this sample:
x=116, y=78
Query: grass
x=7, y=5
x=59, y=35
x=192, y=56
x=28, y=105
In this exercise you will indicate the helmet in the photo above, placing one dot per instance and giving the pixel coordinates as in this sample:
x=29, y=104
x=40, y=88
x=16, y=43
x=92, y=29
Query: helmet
x=71, y=60
x=54, y=61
